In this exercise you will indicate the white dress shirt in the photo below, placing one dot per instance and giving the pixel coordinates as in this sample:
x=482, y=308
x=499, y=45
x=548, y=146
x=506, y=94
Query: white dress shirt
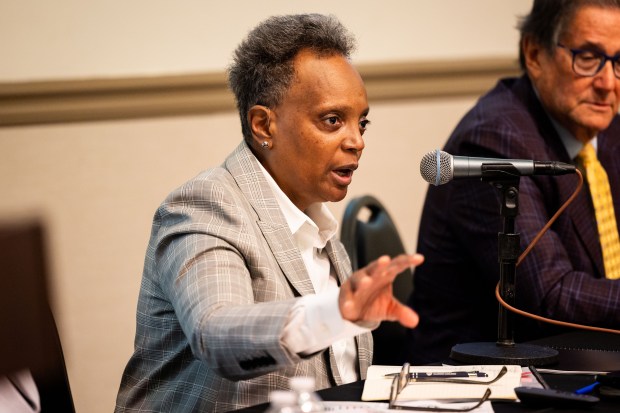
x=316, y=322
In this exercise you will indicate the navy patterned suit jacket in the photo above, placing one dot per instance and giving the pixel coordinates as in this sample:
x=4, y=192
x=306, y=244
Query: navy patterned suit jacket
x=221, y=273
x=561, y=278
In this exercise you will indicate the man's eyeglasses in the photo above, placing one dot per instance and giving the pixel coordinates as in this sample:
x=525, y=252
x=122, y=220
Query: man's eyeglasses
x=589, y=63
x=402, y=379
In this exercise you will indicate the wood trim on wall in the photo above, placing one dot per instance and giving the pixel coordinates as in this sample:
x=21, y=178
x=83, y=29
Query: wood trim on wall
x=45, y=102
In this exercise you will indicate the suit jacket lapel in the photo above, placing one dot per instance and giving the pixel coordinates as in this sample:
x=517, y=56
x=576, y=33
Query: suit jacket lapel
x=339, y=259
x=609, y=153
x=581, y=211
x=609, y=156
x=244, y=168
x=586, y=229
x=287, y=255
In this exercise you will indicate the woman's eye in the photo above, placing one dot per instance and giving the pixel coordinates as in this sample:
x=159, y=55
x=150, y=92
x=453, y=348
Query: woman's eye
x=364, y=124
x=332, y=120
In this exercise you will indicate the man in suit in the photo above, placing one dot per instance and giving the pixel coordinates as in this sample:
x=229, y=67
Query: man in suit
x=568, y=96
x=244, y=283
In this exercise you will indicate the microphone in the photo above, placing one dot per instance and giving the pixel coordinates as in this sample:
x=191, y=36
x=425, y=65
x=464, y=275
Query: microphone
x=439, y=167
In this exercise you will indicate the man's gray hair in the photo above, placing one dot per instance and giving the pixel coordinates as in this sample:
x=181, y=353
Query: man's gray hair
x=262, y=68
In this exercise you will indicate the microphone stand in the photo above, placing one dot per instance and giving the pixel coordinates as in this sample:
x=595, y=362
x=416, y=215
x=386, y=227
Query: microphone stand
x=505, y=177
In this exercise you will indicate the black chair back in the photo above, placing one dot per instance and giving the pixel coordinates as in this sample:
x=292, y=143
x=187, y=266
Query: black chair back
x=30, y=338
x=368, y=232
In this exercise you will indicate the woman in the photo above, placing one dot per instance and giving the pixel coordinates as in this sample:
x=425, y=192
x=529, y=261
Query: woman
x=245, y=284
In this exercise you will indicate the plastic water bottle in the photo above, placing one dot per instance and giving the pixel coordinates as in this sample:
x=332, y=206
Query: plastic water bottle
x=282, y=401
x=308, y=401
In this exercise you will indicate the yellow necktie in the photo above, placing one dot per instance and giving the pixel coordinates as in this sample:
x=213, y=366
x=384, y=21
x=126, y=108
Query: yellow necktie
x=604, y=210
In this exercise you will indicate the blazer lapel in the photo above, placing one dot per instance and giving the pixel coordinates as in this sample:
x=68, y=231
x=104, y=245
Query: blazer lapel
x=287, y=255
x=609, y=153
x=582, y=215
x=581, y=207
x=244, y=167
x=339, y=259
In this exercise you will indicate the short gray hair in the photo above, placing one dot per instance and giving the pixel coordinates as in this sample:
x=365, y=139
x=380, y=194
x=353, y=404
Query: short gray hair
x=262, y=68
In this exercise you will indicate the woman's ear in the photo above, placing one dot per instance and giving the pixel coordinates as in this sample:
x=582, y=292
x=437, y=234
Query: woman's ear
x=259, y=120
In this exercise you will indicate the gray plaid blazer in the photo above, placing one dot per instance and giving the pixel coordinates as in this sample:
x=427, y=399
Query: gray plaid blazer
x=221, y=274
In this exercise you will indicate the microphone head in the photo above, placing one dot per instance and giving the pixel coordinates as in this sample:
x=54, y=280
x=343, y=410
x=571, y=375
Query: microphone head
x=436, y=167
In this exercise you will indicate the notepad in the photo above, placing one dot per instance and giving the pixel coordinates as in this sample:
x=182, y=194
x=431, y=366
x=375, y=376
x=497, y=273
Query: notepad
x=377, y=386
x=377, y=407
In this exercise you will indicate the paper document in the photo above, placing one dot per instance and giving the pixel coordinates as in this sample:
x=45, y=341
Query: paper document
x=377, y=385
x=376, y=407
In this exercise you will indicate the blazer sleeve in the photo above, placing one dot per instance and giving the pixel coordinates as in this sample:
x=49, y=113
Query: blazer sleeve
x=230, y=296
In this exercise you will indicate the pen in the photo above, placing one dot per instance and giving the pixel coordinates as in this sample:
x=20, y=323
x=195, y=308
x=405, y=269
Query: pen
x=442, y=374
x=587, y=389
x=538, y=377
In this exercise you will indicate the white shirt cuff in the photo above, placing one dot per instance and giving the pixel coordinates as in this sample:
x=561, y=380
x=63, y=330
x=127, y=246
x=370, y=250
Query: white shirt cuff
x=315, y=323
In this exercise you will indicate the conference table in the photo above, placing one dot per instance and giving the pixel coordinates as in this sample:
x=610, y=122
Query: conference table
x=582, y=351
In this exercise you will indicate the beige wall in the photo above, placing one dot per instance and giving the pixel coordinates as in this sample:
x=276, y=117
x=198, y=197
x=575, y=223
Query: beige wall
x=83, y=39
x=97, y=184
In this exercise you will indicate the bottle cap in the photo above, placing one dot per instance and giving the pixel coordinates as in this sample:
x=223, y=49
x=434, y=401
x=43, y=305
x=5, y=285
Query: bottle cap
x=303, y=383
x=282, y=397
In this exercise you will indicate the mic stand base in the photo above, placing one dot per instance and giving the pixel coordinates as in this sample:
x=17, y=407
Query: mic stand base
x=493, y=353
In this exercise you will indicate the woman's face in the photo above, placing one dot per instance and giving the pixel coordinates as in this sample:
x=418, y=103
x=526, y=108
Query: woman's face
x=316, y=131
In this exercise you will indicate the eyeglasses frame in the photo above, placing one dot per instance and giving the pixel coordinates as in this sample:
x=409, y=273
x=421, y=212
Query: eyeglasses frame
x=401, y=381
x=615, y=60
